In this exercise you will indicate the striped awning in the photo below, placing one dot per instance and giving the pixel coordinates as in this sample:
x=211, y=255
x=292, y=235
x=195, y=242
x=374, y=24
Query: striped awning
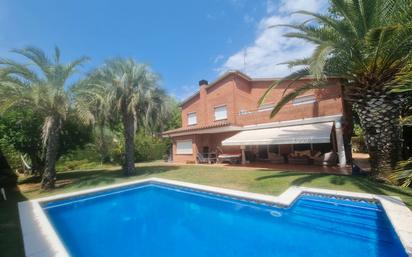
x=300, y=134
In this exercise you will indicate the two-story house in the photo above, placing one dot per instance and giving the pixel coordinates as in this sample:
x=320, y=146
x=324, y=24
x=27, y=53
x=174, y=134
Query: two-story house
x=225, y=115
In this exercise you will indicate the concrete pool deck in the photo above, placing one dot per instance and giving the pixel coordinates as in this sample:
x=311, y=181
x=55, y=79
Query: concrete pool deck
x=40, y=238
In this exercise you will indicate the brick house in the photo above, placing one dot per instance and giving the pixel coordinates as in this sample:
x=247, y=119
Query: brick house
x=225, y=115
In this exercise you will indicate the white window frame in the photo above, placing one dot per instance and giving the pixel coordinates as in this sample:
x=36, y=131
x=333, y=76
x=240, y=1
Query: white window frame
x=244, y=112
x=220, y=118
x=308, y=99
x=188, y=119
x=186, y=148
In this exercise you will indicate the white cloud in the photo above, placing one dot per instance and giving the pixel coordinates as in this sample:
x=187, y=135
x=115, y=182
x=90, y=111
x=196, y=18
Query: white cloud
x=261, y=58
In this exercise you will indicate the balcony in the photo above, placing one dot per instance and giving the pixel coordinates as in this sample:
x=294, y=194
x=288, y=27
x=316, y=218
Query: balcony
x=290, y=112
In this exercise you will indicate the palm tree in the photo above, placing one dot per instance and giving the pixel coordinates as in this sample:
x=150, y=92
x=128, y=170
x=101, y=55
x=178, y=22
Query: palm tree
x=91, y=104
x=369, y=45
x=127, y=88
x=41, y=85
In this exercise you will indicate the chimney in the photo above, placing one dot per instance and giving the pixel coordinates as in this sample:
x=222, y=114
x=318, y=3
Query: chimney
x=203, y=94
x=203, y=82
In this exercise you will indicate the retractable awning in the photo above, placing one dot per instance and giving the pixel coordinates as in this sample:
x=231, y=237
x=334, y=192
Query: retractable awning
x=300, y=134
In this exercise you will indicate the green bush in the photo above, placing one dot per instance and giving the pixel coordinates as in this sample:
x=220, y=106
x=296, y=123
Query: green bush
x=11, y=154
x=149, y=148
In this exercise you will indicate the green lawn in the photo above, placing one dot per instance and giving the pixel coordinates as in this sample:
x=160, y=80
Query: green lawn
x=253, y=180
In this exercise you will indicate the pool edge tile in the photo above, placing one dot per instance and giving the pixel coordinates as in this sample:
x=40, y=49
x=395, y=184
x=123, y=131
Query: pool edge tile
x=39, y=237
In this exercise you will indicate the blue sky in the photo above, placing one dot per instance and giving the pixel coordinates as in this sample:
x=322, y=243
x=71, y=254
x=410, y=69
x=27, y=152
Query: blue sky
x=182, y=40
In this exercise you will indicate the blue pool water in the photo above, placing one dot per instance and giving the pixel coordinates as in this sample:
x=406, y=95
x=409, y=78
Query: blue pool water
x=159, y=220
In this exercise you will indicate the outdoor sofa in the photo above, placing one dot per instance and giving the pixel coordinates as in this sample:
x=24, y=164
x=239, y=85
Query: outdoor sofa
x=309, y=157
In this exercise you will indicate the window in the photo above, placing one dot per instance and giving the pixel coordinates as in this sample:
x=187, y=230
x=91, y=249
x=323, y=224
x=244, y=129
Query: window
x=184, y=146
x=304, y=100
x=191, y=118
x=221, y=112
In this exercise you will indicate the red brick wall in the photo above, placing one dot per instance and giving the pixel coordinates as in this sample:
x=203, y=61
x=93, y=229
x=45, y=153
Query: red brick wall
x=239, y=94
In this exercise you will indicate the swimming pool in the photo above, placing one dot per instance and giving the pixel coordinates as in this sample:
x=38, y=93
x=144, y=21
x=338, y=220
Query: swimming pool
x=156, y=219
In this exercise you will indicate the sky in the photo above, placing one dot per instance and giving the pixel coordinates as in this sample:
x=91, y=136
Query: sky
x=183, y=41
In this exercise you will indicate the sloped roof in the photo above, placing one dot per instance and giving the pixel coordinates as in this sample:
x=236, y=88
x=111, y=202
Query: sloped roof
x=198, y=127
x=242, y=75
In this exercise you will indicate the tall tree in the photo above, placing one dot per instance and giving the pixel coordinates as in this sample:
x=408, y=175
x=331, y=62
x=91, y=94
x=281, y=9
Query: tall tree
x=40, y=84
x=21, y=129
x=369, y=45
x=130, y=90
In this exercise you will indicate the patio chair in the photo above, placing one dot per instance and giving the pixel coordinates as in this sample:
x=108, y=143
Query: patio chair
x=202, y=159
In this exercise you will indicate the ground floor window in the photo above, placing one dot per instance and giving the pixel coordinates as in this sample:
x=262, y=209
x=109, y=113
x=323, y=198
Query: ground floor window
x=184, y=146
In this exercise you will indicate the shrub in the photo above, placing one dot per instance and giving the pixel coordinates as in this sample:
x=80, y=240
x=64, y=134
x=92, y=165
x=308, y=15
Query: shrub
x=149, y=148
x=403, y=174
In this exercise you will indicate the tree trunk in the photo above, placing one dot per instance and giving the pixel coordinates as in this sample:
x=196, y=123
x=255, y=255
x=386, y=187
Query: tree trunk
x=49, y=174
x=129, y=131
x=104, y=150
x=37, y=164
x=379, y=117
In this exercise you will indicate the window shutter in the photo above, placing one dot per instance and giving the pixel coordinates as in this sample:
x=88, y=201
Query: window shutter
x=184, y=147
x=220, y=113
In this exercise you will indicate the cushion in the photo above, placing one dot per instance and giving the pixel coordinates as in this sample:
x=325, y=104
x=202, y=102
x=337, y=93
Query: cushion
x=303, y=153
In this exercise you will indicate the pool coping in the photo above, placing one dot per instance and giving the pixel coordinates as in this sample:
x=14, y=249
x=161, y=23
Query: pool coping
x=34, y=221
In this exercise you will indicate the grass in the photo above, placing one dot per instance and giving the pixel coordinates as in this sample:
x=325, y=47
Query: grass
x=254, y=180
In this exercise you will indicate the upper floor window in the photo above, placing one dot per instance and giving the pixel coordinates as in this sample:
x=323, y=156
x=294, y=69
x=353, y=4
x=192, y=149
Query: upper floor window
x=304, y=100
x=221, y=112
x=191, y=118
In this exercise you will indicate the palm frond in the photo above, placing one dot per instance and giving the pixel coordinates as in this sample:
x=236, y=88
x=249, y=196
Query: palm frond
x=37, y=56
x=292, y=77
x=295, y=93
